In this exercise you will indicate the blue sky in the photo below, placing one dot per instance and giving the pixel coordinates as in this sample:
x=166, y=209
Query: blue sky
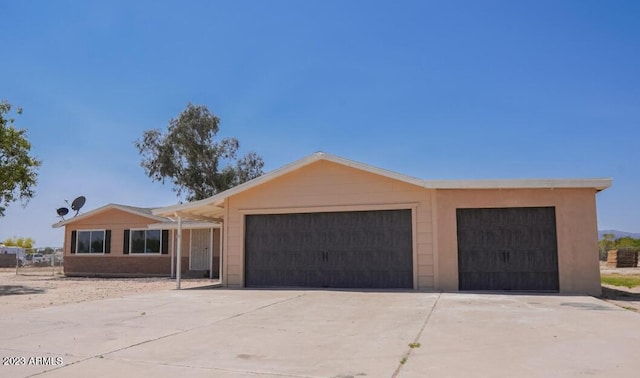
x=432, y=89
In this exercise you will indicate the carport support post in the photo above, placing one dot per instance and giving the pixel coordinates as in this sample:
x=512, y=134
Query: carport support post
x=173, y=253
x=179, y=262
x=211, y=253
x=220, y=258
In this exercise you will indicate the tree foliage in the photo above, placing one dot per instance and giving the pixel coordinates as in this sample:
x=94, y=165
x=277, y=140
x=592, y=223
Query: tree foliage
x=189, y=154
x=609, y=242
x=627, y=242
x=18, y=170
x=19, y=242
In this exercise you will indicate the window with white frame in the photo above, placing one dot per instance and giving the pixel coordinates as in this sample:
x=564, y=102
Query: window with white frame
x=90, y=241
x=145, y=241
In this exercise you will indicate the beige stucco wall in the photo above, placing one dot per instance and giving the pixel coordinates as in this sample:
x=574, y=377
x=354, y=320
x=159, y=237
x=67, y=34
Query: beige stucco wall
x=327, y=186
x=576, y=231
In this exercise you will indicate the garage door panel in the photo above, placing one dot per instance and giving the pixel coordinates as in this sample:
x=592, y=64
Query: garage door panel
x=530, y=281
x=347, y=278
x=367, y=279
x=484, y=280
x=401, y=278
x=507, y=249
x=342, y=249
x=478, y=261
x=531, y=260
x=282, y=277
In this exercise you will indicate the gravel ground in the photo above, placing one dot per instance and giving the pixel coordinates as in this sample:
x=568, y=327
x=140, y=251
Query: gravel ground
x=37, y=290
x=610, y=270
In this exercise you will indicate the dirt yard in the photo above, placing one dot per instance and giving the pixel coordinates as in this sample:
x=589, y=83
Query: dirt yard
x=26, y=292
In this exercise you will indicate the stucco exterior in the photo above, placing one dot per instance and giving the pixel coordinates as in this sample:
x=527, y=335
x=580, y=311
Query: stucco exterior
x=326, y=183
x=579, y=270
x=327, y=186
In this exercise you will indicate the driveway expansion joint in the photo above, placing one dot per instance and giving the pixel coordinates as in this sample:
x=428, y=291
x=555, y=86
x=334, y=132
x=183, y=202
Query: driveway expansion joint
x=405, y=358
x=101, y=355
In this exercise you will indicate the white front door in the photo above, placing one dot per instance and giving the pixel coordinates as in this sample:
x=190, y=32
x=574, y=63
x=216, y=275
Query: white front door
x=200, y=254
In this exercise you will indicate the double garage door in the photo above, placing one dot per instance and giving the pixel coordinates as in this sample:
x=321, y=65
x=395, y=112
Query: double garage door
x=498, y=249
x=357, y=249
x=507, y=249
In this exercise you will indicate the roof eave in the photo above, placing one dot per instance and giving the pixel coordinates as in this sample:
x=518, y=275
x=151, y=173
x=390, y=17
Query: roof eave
x=598, y=184
x=105, y=208
x=219, y=198
x=185, y=226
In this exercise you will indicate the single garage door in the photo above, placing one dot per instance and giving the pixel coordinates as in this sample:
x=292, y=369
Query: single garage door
x=357, y=249
x=507, y=249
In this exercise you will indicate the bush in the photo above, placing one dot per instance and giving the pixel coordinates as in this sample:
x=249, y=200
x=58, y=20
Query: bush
x=603, y=254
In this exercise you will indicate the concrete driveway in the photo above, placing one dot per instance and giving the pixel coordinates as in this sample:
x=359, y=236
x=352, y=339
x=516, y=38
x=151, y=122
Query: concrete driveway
x=291, y=333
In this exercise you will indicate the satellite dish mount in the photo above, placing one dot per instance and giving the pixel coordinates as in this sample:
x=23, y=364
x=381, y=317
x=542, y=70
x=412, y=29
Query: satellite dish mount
x=62, y=212
x=76, y=205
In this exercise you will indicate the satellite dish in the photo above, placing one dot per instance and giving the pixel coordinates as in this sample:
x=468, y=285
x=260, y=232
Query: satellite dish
x=62, y=212
x=78, y=203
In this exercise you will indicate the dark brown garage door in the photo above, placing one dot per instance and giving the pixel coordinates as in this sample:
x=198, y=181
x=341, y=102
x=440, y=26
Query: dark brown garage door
x=358, y=249
x=507, y=249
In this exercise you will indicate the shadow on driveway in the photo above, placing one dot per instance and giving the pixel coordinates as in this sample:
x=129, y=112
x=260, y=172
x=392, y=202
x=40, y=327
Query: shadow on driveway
x=19, y=290
x=621, y=297
x=619, y=294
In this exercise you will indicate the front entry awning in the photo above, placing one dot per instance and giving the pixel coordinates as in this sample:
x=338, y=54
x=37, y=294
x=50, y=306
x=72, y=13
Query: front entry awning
x=185, y=225
x=177, y=226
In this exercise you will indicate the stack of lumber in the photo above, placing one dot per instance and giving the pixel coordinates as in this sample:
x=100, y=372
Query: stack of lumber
x=622, y=258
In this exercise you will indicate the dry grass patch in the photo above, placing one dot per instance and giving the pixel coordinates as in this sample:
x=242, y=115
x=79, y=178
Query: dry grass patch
x=626, y=280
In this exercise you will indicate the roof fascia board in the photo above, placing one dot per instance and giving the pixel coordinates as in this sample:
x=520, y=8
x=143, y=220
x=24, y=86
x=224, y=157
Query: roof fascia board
x=220, y=197
x=185, y=225
x=240, y=188
x=105, y=208
x=216, y=200
x=374, y=170
x=598, y=184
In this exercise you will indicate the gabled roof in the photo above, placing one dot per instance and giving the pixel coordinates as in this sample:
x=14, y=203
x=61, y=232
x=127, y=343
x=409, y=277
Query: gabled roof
x=141, y=211
x=220, y=197
x=207, y=207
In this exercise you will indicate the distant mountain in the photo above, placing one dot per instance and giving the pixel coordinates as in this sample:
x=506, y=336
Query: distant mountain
x=618, y=234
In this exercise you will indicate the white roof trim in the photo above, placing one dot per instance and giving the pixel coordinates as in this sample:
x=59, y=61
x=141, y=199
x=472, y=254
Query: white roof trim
x=104, y=208
x=598, y=184
x=220, y=197
x=185, y=225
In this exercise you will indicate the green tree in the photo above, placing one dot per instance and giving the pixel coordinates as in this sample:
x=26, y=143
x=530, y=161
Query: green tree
x=21, y=242
x=605, y=244
x=627, y=242
x=189, y=155
x=18, y=170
